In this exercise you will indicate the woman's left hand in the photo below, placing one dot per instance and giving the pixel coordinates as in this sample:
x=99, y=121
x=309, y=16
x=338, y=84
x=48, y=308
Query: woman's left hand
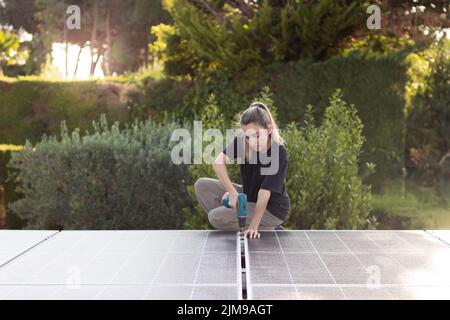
x=252, y=233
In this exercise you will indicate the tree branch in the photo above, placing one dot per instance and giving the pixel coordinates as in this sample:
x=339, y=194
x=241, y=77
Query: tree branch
x=247, y=8
x=205, y=5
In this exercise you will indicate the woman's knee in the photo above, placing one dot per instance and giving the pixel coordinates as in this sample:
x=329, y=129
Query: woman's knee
x=202, y=184
x=199, y=187
x=219, y=218
x=215, y=218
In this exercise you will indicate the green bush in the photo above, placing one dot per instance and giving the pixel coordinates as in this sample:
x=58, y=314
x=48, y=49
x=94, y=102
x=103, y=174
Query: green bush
x=111, y=178
x=31, y=106
x=322, y=179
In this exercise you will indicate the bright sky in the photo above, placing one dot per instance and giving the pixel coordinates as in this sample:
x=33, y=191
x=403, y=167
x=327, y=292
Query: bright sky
x=84, y=65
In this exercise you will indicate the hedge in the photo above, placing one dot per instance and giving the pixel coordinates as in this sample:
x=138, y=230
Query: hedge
x=109, y=178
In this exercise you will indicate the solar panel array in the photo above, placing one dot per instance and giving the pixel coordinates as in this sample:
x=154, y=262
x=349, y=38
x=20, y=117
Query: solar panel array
x=176, y=264
x=127, y=265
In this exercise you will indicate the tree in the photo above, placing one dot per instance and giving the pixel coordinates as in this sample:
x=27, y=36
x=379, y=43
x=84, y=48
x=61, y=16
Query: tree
x=234, y=36
x=117, y=30
x=418, y=19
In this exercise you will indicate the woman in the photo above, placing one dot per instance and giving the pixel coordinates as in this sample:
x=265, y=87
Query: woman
x=263, y=169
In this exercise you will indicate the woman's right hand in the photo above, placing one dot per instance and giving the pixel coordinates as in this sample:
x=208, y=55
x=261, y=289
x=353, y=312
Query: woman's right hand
x=232, y=201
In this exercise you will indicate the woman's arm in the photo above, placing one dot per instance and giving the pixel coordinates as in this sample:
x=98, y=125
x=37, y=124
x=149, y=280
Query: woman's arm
x=220, y=168
x=261, y=204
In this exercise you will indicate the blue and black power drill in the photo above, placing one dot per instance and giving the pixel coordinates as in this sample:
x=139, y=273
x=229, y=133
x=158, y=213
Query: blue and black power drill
x=241, y=209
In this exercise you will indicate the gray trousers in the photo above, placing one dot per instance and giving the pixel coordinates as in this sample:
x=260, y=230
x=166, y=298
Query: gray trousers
x=209, y=194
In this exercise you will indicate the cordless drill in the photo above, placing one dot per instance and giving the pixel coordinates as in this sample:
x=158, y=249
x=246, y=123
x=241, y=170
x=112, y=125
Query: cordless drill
x=241, y=209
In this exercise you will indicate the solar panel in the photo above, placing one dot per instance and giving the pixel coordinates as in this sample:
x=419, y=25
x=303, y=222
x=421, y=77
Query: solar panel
x=177, y=264
x=347, y=265
x=15, y=242
x=127, y=265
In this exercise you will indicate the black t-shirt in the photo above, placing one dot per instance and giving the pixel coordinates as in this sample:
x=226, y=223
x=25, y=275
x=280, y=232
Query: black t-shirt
x=258, y=173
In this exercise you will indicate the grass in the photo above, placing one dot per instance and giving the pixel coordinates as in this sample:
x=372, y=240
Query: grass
x=412, y=210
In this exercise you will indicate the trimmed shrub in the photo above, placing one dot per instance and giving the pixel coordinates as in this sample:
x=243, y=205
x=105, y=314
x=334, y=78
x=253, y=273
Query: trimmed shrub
x=111, y=178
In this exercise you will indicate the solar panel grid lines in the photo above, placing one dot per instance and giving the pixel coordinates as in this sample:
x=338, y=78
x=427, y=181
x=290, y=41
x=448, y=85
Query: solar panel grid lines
x=287, y=289
x=198, y=264
x=71, y=268
x=54, y=288
x=364, y=266
x=422, y=271
x=285, y=261
x=126, y=261
x=384, y=251
x=106, y=276
x=324, y=264
x=397, y=263
x=160, y=266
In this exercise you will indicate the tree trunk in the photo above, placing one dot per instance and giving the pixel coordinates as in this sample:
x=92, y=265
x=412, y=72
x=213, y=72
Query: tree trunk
x=99, y=55
x=77, y=63
x=107, y=56
x=66, y=54
x=94, y=39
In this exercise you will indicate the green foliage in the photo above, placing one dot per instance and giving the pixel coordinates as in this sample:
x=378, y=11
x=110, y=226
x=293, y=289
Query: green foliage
x=165, y=96
x=428, y=119
x=375, y=84
x=31, y=107
x=215, y=37
x=111, y=178
x=323, y=181
x=9, y=45
x=375, y=44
